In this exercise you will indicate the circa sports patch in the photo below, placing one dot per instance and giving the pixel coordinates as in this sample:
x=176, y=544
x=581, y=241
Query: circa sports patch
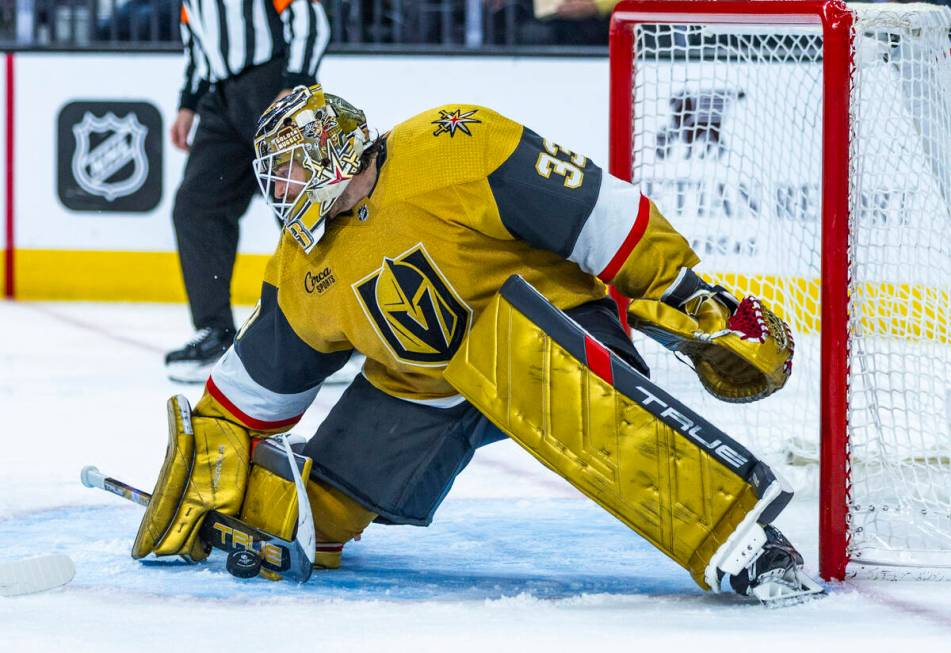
x=414, y=309
x=319, y=281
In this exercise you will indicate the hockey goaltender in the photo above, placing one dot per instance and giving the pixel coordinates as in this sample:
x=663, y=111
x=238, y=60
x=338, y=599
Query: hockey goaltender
x=466, y=257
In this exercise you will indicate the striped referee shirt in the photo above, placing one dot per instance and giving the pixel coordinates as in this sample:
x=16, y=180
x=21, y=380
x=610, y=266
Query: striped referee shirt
x=224, y=37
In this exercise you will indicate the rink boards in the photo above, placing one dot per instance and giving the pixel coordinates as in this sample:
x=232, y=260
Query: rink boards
x=93, y=174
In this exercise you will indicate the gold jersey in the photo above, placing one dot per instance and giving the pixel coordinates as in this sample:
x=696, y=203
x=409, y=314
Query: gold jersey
x=464, y=199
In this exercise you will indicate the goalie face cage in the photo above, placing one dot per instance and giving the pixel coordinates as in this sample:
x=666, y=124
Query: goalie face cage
x=803, y=147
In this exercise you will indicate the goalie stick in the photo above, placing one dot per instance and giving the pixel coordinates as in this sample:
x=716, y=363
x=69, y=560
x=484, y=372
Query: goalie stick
x=305, y=535
x=35, y=574
x=290, y=559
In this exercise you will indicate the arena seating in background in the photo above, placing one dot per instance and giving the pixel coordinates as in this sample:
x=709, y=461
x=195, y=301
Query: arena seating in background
x=357, y=26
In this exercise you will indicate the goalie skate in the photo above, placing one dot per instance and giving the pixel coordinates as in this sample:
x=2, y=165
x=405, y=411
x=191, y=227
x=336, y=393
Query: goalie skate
x=194, y=362
x=775, y=576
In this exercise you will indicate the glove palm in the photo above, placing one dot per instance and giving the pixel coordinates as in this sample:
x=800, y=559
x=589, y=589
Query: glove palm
x=741, y=352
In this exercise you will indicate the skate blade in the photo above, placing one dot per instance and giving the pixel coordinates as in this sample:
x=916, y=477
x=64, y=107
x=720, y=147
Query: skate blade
x=189, y=373
x=782, y=593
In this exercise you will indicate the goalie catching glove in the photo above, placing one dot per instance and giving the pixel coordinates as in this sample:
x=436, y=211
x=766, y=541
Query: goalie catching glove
x=740, y=350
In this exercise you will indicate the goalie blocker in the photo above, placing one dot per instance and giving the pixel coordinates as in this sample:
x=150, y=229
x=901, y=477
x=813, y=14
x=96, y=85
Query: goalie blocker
x=208, y=468
x=667, y=473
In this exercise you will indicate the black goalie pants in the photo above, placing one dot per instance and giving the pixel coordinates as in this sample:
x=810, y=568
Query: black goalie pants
x=217, y=187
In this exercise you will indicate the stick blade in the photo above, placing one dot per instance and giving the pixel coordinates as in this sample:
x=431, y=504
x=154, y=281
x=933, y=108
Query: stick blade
x=35, y=574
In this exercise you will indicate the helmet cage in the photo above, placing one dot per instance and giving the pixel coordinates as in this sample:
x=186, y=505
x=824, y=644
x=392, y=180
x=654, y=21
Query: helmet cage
x=283, y=178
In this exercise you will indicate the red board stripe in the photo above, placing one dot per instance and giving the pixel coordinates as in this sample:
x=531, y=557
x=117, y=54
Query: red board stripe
x=8, y=253
x=247, y=420
x=598, y=359
x=630, y=242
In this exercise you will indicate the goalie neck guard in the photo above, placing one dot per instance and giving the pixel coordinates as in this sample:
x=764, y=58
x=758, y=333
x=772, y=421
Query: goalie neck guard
x=307, y=149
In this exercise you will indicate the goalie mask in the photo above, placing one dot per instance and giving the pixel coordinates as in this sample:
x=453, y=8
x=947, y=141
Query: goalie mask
x=308, y=147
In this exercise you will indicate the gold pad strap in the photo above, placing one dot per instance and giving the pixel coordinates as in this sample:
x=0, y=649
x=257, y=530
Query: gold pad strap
x=650, y=461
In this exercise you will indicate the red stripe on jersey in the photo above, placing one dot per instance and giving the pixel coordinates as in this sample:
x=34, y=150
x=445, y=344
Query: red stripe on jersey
x=598, y=359
x=329, y=547
x=630, y=242
x=247, y=420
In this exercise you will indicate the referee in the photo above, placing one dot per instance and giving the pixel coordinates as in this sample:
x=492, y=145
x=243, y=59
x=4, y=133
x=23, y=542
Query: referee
x=240, y=55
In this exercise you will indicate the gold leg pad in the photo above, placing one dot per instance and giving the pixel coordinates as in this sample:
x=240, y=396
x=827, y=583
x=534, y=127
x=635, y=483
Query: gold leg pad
x=674, y=493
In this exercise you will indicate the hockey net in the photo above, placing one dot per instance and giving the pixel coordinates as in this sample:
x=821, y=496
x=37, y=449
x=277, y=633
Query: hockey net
x=760, y=143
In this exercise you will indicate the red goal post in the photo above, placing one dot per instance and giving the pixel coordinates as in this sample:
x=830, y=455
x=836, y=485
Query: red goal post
x=836, y=22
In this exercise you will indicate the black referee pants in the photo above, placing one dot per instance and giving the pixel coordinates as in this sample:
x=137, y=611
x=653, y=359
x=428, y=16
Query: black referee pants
x=217, y=187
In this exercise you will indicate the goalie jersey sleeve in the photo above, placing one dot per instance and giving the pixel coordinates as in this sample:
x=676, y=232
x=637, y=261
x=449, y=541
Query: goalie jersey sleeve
x=560, y=201
x=270, y=376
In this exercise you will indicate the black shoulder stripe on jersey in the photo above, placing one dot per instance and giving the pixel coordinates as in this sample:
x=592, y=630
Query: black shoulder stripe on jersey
x=276, y=358
x=541, y=210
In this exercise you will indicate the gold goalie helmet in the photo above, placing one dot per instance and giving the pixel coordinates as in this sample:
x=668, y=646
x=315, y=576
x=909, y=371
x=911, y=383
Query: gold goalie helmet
x=308, y=147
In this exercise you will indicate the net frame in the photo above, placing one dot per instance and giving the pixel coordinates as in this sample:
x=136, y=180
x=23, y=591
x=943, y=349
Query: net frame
x=836, y=22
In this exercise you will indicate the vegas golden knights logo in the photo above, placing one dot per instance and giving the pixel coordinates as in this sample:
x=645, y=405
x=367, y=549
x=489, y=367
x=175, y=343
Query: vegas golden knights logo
x=414, y=309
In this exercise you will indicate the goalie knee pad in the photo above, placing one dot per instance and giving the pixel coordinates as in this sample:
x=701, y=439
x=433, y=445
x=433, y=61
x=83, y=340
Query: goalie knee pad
x=271, y=504
x=271, y=500
x=687, y=487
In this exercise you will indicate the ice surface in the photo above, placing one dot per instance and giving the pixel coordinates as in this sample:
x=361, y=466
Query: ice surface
x=516, y=559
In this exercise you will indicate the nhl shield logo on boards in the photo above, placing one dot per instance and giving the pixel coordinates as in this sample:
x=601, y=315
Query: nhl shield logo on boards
x=116, y=166
x=414, y=309
x=110, y=156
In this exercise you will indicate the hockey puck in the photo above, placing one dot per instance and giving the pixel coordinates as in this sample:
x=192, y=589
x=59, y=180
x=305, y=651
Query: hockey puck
x=243, y=563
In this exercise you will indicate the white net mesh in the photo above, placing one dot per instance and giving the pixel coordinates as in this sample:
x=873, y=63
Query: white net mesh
x=727, y=141
x=900, y=306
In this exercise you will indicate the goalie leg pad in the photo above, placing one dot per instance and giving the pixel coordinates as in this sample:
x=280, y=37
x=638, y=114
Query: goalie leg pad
x=205, y=468
x=271, y=504
x=649, y=460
